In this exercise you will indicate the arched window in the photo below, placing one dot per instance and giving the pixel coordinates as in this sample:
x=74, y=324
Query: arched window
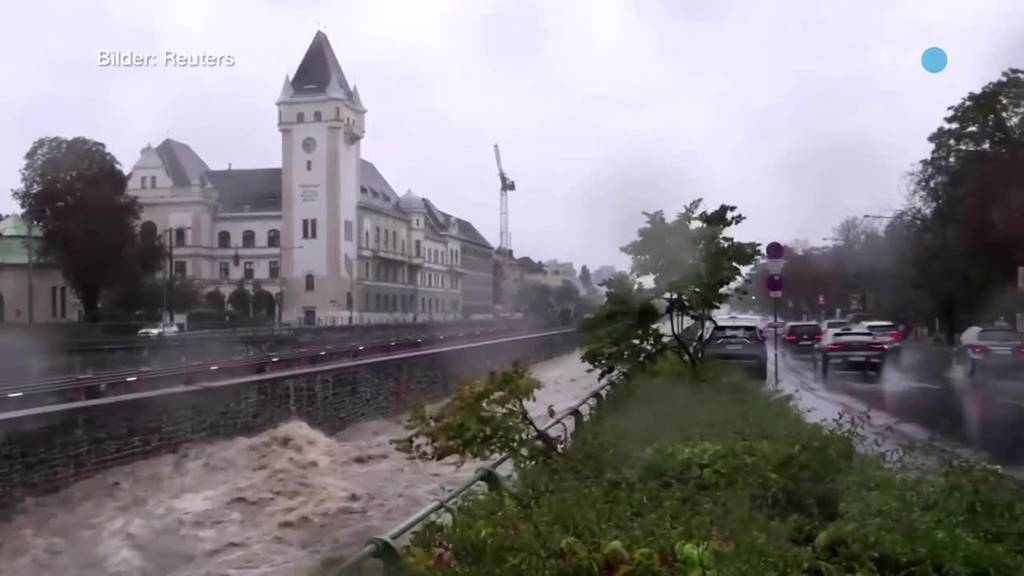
x=248, y=239
x=310, y=283
x=274, y=239
x=300, y=117
x=317, y=116
x=224, y=239
x=147, y=232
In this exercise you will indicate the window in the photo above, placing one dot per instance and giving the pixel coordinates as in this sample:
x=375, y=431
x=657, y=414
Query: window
x=337, y=112
x=418, y=250
x=179, y=236
x=376, y=237
x=275, y=269
x=312, y=227
x=152, y=181
x=348, y=300
x=224, y=270
x=403, y=245
x=423, y=304
x=366, y=300
x=300, y=117
x=376, y=302
x=249, y=267
x=179, y=269
x=366, y=272
x=366, y=238
x=348, y=230
x=248, y=239
x=224, y=239
x=387, y=237
x=309, y=165
x=53, y=301
x=309, y=228
x=63, y=302
x=417, y=222
x=394, y=240
x=317, y=116
x=310, y=283
x=274, y=239
x=143, y=178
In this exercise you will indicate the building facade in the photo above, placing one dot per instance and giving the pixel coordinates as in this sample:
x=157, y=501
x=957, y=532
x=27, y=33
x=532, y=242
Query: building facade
x=31, y=290
x=325, y=232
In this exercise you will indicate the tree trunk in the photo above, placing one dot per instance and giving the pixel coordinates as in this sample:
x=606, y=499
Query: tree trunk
x=682, y=350
x=90, y=299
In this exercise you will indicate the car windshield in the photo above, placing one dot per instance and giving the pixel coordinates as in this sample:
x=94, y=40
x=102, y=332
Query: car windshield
x=805, y=330
x=852, y=335
x=999, y=336
x=734, y=332
x=835, y=323
x=882, y=328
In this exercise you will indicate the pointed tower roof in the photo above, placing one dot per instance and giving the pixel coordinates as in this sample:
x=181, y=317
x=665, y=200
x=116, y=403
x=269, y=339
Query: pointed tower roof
x=319, y=72
x=286, y=89
x=356, y=99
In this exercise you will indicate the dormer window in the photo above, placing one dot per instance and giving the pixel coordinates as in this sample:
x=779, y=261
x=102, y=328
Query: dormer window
x=300, y=117
x=152, y=181
x=317, y=116
x=143, y=178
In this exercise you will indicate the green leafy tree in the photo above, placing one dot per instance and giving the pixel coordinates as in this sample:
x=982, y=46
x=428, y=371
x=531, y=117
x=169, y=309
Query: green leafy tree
x=186, y=295
x=536, y=300
x=240, y=300
x=692, y=261
x=74, y=190
x=214, y=299
x=486, y=418
x=622, y=335
x=263, y=303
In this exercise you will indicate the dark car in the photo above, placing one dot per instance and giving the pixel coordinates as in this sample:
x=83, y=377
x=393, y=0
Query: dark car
x=738, y=343
x=989, y=350
x=798, y=338
x=850, y=350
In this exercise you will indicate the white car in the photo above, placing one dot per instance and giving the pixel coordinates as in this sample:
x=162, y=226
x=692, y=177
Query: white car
x=166, y=329
x=888, y=334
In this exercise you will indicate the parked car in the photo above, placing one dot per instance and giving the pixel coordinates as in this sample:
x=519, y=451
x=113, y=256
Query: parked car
x=156, y=330
x=850, y=350
x=989, y=350
x=740, y=343
x=798, y=338
x=834, y=323
x=888, y=334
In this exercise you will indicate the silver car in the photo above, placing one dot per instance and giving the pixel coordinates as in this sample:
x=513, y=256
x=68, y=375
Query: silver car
x=989, y=349
x=850, y=350
x=738, y=343
x=888, y=334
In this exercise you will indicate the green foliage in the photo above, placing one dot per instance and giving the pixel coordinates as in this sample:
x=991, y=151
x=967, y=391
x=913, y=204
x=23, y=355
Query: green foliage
x=687, y=477
x=74, y=190
x=486, y=418
x=240, y=300
x=214, y=299
x=622, y=335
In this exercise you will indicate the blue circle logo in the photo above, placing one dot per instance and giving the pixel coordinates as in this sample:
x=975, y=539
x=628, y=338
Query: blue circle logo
x=934, y=60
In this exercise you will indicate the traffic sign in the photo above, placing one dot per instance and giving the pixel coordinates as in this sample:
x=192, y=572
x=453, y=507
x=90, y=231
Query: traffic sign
x=775, y=294
x=774, y=284
x=821, y=299
x=774, y=251
x=775, y=266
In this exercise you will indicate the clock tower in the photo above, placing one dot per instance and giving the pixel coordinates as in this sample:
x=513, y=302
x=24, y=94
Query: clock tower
x=321, y=120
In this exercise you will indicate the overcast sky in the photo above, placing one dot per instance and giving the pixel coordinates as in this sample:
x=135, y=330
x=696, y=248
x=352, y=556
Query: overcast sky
x=800, y=113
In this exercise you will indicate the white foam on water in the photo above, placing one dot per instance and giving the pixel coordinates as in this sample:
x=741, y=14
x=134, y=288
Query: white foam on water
x=273, y=504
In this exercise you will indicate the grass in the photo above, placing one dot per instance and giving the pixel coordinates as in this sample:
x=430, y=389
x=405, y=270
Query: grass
x=705, y=474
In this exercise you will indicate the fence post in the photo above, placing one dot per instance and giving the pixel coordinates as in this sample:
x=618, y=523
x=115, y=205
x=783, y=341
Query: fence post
x=388, y=554
x=491, y=478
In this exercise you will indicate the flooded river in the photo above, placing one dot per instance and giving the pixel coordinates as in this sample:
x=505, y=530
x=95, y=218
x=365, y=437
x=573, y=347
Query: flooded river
x=270, y=504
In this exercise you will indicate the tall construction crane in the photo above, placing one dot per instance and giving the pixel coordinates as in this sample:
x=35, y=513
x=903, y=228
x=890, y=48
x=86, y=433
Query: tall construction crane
x=507, y=185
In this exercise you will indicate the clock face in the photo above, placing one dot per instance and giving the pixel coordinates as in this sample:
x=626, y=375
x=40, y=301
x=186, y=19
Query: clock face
x=309, y=145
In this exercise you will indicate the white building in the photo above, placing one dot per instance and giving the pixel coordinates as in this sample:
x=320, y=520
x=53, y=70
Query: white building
x=325, y=232
x=557, y=272
x=32, y=290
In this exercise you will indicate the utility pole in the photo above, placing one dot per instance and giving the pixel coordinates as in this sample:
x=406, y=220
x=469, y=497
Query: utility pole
x=30, y=245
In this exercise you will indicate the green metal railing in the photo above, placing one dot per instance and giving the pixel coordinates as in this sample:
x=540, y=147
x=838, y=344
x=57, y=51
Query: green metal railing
x=383, y=547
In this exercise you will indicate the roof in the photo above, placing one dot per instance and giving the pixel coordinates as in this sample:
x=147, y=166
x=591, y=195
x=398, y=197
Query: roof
x=13, y=240
x=320, y=72
x=183, y=165
x=529, y=266
x=375, y=192
x=259, y=189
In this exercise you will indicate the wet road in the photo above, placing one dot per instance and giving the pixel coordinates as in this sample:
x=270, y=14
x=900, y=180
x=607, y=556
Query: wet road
x=983, y=413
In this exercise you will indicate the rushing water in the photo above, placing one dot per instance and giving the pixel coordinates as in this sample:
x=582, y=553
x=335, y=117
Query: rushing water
x=270, y=504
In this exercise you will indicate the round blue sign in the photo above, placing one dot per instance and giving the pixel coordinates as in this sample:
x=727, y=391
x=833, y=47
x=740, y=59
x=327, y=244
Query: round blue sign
x=934, y=59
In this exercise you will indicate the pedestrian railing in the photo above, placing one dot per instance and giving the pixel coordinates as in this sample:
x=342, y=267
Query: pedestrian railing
x=384, y=547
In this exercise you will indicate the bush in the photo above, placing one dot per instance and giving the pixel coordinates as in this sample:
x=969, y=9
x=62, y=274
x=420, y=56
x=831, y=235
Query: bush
x=687, y=475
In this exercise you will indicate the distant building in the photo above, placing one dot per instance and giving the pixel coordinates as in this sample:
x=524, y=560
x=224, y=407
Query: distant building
x=325, y=232
x=558, y=272
x=601, y=274
x=52, y=299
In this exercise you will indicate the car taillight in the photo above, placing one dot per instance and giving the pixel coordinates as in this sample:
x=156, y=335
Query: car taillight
x=817, y=337
x=896, y=335
x=790, y=337
x=876, y=346
x=835, y=346
x=977, y=349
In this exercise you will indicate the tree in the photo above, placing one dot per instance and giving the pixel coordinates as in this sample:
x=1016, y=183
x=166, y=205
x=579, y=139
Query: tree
x=966, y=199
x=586, y=281
x=214, y=299
x=185, y=295
x=692, y=263
x=74, y=190
x=240, y=300
x=536, y=300
x=623, y=334
x=263, y=302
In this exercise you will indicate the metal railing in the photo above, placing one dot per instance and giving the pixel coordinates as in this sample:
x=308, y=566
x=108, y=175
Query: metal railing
x=383, y=547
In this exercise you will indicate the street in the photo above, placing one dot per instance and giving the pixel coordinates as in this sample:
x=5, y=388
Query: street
x=922, y=395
